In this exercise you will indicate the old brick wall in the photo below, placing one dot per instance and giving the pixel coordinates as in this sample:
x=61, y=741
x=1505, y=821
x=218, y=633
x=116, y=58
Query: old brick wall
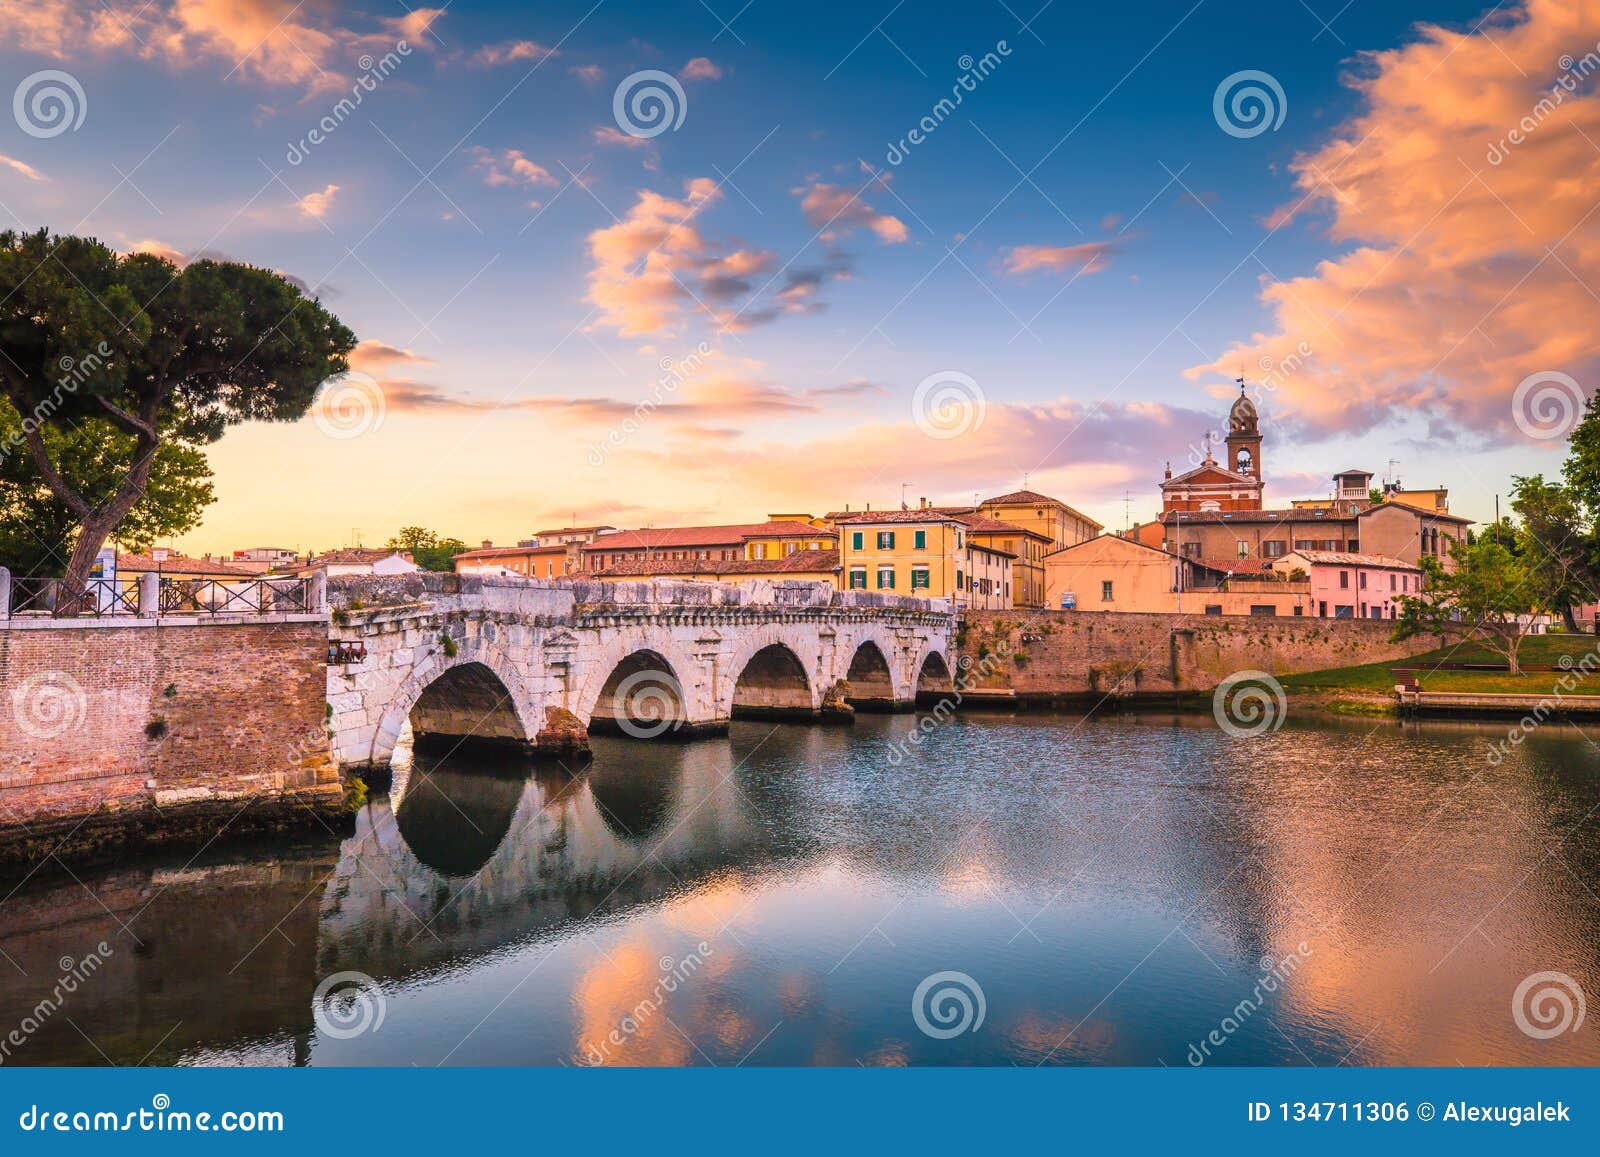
x=99, y=719
x=1043, y=654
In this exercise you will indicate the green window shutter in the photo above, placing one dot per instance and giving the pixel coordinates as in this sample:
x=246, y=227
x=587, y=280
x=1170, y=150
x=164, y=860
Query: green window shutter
x=855, y=541
x=921, y=540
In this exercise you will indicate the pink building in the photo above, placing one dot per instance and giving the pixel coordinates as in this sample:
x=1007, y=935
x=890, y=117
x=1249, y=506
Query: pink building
x=1353, y=586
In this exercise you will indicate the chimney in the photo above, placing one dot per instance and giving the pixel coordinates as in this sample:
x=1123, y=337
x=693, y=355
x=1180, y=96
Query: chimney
x=924, y=502
x=487, y=543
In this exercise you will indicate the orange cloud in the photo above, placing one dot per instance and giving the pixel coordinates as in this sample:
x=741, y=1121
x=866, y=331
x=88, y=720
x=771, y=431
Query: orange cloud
x=510, y=167
x=588, y=73
x=316, y=205
x=511, y=51
x=1090, y=257
x=834, y=210
x=22, y=167
x=701, y=68
x=272, y=41
x=1467, y=188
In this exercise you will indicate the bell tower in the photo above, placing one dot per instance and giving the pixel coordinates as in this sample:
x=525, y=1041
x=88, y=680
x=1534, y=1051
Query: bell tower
x=1244, y=436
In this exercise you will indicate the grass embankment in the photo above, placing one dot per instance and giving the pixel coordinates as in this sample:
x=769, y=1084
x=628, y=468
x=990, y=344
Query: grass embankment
x=1369, y=689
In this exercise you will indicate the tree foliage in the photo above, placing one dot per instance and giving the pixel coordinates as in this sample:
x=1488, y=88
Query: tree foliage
x=37, y=528
x=1488, y=596
x=428, y=550
x=160, y=354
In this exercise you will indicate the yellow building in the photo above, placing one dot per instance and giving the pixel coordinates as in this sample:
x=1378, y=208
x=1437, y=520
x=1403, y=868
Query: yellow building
x=925, y=553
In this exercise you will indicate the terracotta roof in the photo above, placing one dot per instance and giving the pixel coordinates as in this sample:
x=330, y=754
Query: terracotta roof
x=980, y=524
x=1189, y=517
x=573, y=530
x=1024, y=498
x=1240, y=565
x=1346, y=558
x=180, y=564
x=921, y=514
x=699, y=536
x=801, y=561
x=503, y=551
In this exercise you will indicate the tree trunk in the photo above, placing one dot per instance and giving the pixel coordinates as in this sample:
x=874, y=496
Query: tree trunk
x=98, y=525
x=71, y=599
x=1514, y=654
x=1569, y=617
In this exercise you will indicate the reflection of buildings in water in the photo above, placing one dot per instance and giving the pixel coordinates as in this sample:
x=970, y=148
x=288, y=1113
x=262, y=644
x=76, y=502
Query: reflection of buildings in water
x=1424, y=899
x=224, y=956
x=391, y=913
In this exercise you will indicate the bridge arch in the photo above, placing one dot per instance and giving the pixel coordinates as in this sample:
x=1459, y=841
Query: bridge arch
x=871, y=677
x=473, y=698
x=773, y=682
x=934, y=677
x=641, y=694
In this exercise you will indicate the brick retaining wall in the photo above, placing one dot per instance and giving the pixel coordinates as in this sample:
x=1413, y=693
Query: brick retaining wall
x=1045, y=655
x=116, y=729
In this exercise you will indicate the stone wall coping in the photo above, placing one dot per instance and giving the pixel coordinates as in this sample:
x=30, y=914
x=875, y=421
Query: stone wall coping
x=125, y=622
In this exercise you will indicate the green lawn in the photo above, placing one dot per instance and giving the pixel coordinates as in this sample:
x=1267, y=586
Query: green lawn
x=1379, y=677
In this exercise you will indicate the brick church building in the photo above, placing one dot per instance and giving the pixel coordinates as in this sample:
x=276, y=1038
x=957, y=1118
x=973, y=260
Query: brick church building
x=1216, y=513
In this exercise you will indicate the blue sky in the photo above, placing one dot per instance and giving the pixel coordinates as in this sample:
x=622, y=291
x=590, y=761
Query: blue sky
x=1080, y=240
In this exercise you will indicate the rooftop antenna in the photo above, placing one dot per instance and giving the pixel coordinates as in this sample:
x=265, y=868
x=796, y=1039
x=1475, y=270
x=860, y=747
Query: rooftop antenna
x=903, y=486
x=1127, y=510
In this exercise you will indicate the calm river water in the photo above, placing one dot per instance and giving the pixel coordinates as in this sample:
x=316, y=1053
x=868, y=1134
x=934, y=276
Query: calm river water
x=1121, y=891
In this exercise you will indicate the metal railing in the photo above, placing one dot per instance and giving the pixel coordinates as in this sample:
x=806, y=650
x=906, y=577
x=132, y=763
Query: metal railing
x=100, y=597
x=149, y=595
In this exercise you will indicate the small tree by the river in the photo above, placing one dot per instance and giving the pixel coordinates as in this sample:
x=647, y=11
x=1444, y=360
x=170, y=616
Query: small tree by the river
x=1489, y=596
x=157, y=352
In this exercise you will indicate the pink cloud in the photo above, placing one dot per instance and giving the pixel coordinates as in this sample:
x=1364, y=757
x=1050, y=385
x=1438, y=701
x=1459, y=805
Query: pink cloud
x=317, y=205
x=22, y=167
x=701, y=68
x=835, y=209
x=1089, y=257
x=510, y=52
x=1470, y=250
x=510, y=167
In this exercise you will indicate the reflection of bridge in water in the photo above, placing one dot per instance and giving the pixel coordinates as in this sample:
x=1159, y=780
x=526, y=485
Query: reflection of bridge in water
x=462, y=859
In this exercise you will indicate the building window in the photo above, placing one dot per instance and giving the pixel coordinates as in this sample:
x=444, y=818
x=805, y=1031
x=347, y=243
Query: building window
x=1243, y=548
x=1391, y=582
x=919, y=576
x=858, y=578
x=1344, y=580
x=1263, y=610
x=961, y=581
x=885, y=578
x=855, y=540
x=885, y=540
x=920, y=540
x=1273, y=549
x=1105, y=591
x=1213, y=608
x=1298, y=610
x=1361, y=580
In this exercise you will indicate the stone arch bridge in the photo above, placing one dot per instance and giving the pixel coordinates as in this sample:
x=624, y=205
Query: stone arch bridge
x=536, y=666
